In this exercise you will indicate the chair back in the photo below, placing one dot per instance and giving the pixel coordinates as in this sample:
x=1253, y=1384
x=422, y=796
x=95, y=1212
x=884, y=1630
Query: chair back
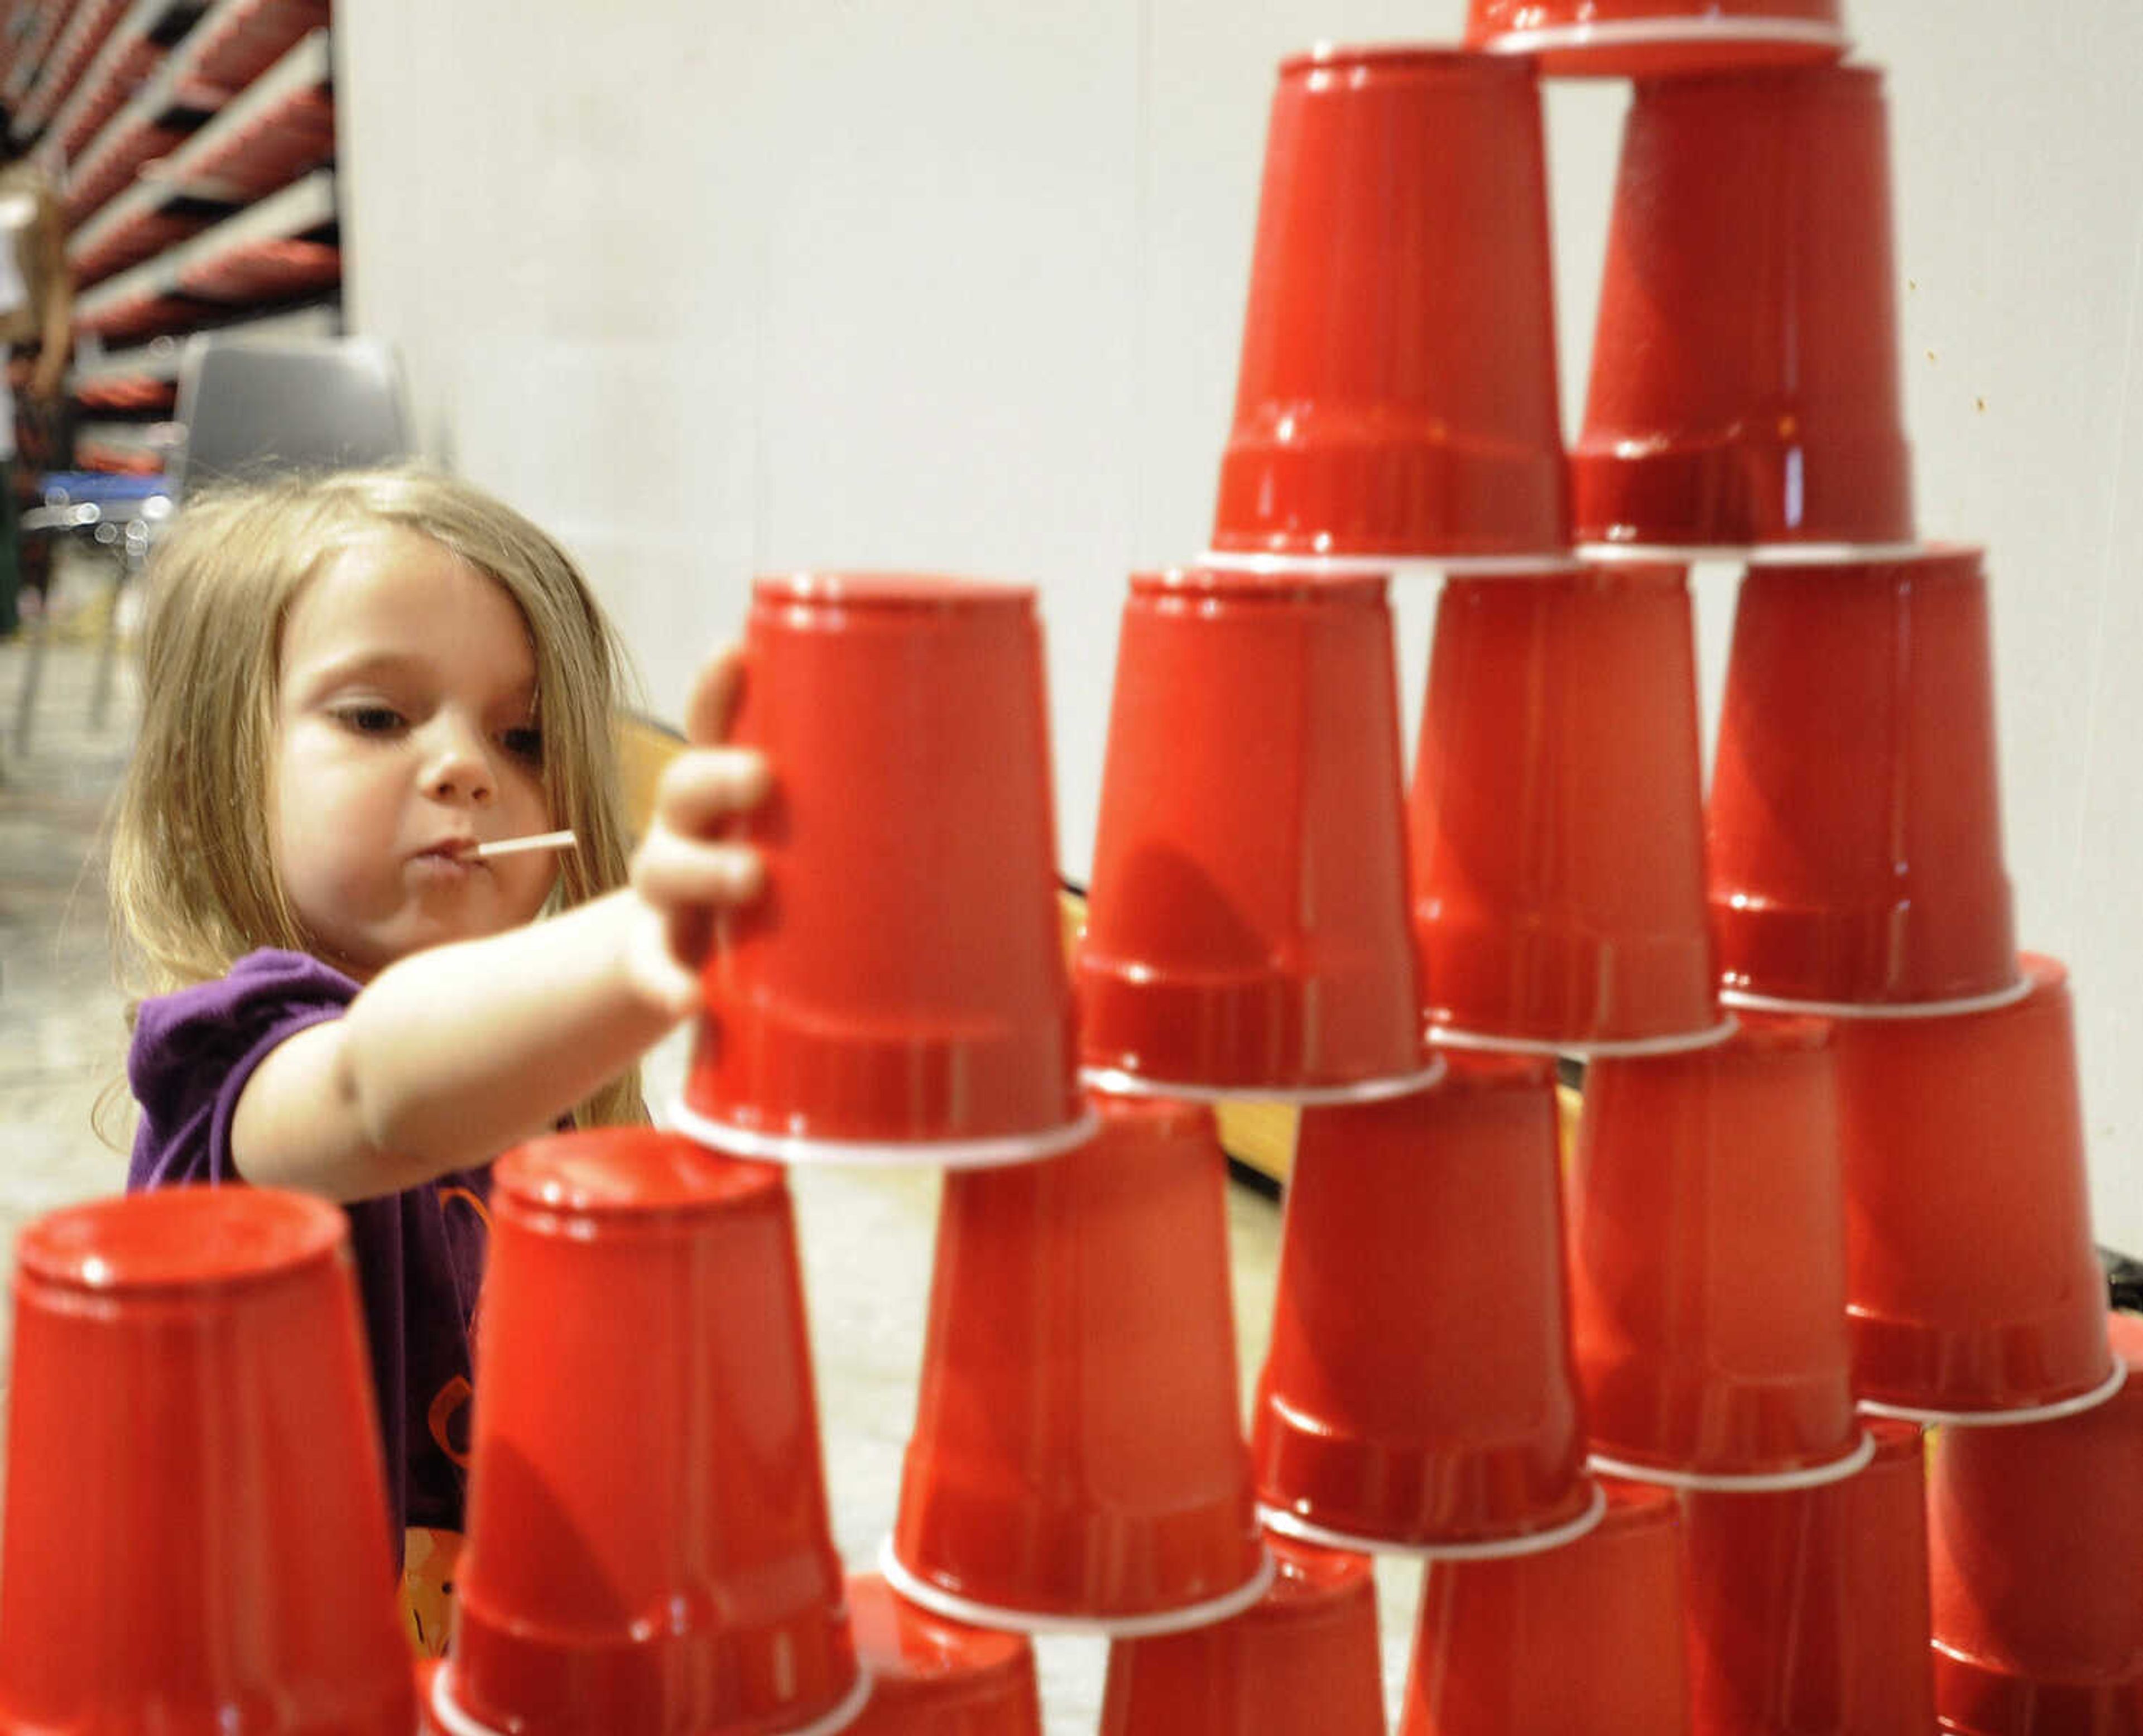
x=256, y=407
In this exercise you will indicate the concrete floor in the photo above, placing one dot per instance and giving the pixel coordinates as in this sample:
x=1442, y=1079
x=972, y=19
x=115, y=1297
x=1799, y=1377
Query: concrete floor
x=866, y=1235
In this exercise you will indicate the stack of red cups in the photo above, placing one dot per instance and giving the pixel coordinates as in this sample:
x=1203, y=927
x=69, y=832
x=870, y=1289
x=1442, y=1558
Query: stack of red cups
x=1873, y=1198
x=1396, y=412
x=1819, y=1066
x=1077, y=1462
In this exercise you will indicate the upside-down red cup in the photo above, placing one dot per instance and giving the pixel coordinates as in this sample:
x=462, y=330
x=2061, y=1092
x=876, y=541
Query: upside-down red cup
x=1556, y=815
x=1854, y=832
x=899, y=984
x=1808, y=1609
x=1077, y=1463
x=648, y=1542
x=1397, y=393
x=1707, y=1257
x=1418, y=1391
x=933, y=1677
x=197, y=1533
x=1658, y=38
x=1301, y=1661
x=1974, y=1288
x=1251, y=707
x=2036, y=1533
x=1745, y=385
x=1588, y=1637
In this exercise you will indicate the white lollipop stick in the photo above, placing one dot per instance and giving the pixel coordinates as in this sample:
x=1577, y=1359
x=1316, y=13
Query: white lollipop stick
x=534, y=841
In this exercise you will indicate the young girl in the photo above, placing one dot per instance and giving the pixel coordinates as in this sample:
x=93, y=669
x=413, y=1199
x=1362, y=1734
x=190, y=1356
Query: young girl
x=350, y=682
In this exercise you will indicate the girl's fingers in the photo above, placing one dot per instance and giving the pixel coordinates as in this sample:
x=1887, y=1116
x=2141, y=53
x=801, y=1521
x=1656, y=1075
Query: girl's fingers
x=691, y=931
x=714, y=696
x=655, y=967
x=704, y=786
x=671, y=870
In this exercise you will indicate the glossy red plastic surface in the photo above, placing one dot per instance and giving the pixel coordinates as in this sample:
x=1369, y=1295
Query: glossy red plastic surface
x=1077, y=1451
x=428, y=1676
x=932, y=1677
x=1251, y=709
x=1587, y=1637
x=648, y=1541
x=1808, y=1609
x=1972, y=1278
x=1975, y=1700
x=1707, y=1249
x=1556, y=814
x=1657, y=38
x=1745, y=381
x=925, y=999
x=1301, y=1661
x=196, y=1536
x=1854, y=832
x=1396, y=391
x=1419, y=1387
x=2036, y=1535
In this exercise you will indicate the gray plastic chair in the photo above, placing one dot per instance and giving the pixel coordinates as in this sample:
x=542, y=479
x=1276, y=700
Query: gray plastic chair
x=251, y=407
x=254, y=406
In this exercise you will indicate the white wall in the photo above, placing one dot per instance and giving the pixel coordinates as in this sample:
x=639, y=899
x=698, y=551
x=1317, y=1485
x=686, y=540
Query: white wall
x=711, y=288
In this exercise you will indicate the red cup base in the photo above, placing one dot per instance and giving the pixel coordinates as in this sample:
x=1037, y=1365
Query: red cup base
x=1972, y=1698
x=1533, y=1542
x=1941, y=1377
x=1848, y=1464
x=443, y=1717
x=982, y=1153
x=936, y=1598
x=1729, y=495
x=1669, y=47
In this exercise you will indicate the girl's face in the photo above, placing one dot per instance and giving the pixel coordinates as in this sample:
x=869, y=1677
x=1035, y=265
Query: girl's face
x=405, y=735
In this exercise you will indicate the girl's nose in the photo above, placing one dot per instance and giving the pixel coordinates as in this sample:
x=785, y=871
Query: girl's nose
x=459, y=767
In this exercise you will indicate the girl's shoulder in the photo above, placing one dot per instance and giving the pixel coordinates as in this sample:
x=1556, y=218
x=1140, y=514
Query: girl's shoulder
x=260, y=985
x=193, y=1049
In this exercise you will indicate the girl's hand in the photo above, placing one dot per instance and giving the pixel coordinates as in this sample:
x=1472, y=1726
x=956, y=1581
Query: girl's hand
x=681, y=874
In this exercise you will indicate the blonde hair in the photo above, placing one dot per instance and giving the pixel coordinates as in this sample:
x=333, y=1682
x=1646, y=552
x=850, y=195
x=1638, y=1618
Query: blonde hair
x=193, y=881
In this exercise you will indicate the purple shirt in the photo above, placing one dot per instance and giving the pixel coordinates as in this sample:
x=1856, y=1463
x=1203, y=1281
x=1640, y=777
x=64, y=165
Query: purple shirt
x=419, y=1255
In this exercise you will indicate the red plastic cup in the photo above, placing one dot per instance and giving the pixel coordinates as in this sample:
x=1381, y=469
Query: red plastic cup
x=1974, y=1286
x=1855, y=825
x=1808, y=1609
x=1396, y=393
x=1301, y=1661
x=648, y=1542
x=1251, y=708
x=900, y=984
x=196, y=1532
x=2036, y=1533
x=932, y=1677
x=1707, y=1249
x=1744, y=367
x=1418, y=1391
x=1077, y=1462
x=1584, y=1638
x=1556, y=814
x=1658, y=38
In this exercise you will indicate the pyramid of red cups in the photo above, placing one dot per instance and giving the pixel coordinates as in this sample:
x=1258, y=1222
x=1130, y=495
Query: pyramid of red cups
x=1788, y=1400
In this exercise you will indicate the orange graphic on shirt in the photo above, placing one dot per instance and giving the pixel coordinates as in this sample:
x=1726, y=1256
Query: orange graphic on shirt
x=431, y=1562
x=447, y=1407
x=482, y=1211
x=453, y=1399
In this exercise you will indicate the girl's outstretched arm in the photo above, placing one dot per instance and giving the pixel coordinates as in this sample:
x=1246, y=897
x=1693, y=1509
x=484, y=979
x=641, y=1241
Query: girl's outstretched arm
x=450, y=1055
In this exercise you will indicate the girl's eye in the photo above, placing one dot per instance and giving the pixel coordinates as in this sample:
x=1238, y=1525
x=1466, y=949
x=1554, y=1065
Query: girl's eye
x=372, y=719
x=525, y=744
